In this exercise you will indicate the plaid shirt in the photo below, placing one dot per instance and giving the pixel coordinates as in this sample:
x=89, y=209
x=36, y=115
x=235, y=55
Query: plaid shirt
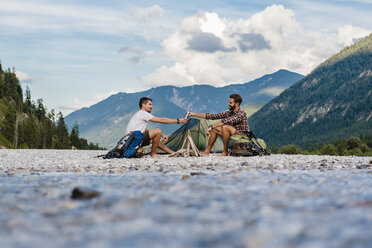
x=238, y=120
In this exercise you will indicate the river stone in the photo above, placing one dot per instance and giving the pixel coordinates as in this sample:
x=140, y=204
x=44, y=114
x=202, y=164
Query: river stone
x=80, y=194
x=197, y=174
x=185, y=177
x=362, y=166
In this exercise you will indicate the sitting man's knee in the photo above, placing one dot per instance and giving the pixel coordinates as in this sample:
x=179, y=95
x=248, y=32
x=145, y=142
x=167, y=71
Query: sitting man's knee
x=226, y=127
x=157, y=131
x=214, y=130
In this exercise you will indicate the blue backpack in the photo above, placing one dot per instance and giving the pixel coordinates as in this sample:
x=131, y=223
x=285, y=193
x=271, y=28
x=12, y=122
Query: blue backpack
x=126, y=147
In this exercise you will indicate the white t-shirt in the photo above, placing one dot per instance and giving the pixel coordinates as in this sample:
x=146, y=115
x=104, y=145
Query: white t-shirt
x=139, y=121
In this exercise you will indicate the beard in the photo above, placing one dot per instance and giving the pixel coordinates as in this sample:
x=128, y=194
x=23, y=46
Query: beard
x=231, y=108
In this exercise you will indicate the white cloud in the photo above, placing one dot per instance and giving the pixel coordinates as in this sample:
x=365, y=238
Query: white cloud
x=208, y=49
x=129, y=90
x=34, y=16
x=348, y=34
x=72, y=107
x=147, y=14
x=150, y=23
x=138, y=53
x=24, y=77
x=211, y=23
x=67, y=109
x=56, y=10
x=135, y=49
x=102, y=96
x=176, y=75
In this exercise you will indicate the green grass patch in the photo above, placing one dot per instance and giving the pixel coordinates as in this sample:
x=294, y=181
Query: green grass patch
x=4, y=142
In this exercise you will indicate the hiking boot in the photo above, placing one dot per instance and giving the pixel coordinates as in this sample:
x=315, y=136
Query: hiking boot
x=236, y=146
x=237, y=149
x=243, y=146
x=241, y=149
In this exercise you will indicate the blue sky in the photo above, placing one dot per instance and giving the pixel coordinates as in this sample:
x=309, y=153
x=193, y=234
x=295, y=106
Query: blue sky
x=75, y=53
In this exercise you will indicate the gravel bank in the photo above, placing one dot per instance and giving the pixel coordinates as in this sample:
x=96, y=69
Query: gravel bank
x=273, y=201
x=41, y=161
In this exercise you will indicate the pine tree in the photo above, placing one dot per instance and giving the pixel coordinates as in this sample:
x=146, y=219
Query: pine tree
x=49, y=129
x=40, y=110
x=13, y=89
x=28, y=102
x=62, y=133
x=9, y=122
x=2, y=86
x=28, y=132
x=74, y=137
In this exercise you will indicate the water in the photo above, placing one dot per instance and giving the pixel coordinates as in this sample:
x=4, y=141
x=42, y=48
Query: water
x=253, y=208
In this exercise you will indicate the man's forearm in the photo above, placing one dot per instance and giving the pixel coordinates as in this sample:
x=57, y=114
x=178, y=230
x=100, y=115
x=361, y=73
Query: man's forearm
x=200, y=115
x=164, y=120
x=168, y=121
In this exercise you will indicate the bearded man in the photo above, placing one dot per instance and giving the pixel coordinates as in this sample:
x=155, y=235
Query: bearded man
x=233, y=121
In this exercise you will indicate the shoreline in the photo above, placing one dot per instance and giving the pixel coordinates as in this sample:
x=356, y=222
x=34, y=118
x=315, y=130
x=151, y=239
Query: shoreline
x=80, y=161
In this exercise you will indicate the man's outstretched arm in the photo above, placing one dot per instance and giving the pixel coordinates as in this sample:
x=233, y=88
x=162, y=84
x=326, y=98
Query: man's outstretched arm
x=200, y=115
x=167, y=120
x=211, y=116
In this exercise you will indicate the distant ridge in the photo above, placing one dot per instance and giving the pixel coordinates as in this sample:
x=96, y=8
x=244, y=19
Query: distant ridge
x=334, y=101
x=106, y=121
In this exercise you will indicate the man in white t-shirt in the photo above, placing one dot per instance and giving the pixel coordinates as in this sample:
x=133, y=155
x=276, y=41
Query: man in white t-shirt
x=139, y=123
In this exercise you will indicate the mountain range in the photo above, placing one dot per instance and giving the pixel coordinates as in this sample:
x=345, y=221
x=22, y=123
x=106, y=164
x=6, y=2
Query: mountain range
x=333, y=102
x=106, y=121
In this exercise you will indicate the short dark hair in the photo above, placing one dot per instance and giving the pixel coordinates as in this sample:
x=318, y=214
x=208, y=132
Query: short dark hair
x=237, y=98
x=144, y=100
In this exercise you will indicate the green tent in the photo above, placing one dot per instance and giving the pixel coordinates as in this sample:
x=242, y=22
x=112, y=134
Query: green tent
x=197, y=128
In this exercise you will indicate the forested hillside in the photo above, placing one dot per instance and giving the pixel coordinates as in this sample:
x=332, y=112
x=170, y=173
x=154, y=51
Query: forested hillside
x=25, y=123
x=332, y=102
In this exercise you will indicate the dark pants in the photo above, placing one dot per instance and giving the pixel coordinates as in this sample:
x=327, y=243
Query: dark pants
x=146, y=138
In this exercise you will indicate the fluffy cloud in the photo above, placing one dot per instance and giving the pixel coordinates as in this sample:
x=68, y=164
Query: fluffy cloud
x=208, y=49
x=207, y=42
x=349, y=34
x=34, y=16
x=138, y=53
x=253, y=42
x=24, y=77
x=67, y=109
x=146, y=14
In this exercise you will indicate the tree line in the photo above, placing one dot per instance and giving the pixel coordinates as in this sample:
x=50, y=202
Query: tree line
x=352, y=146
x=25, y=123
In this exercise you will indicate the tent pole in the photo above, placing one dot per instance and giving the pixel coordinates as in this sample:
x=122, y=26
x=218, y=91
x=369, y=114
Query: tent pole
x=193, y=146
x=188, y=145
x=184, y=142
